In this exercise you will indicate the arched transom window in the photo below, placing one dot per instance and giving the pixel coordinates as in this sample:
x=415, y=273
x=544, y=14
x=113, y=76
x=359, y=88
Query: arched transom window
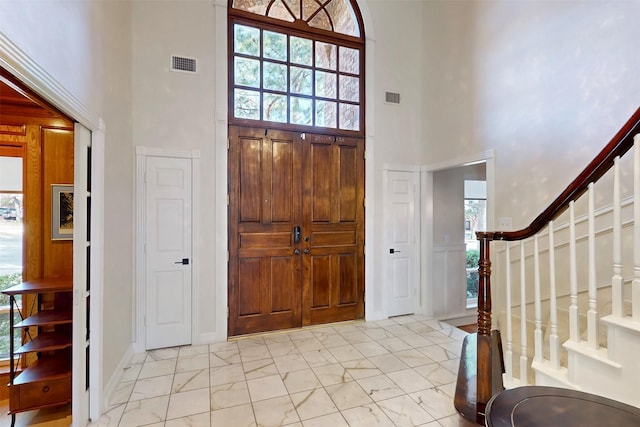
x=297, y=64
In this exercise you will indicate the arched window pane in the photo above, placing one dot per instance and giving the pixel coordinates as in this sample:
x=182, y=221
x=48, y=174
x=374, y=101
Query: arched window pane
x=343, y=17
x=294, y=5
x=294, y=75
x=321, y=20
x=278, y=11
x=331, y=15
x=308, y=8
x=259, y=7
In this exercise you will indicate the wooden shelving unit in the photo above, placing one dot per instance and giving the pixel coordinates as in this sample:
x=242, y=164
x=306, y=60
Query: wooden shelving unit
x=40, y=371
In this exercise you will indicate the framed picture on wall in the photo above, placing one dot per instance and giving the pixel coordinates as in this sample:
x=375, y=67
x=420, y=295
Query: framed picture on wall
x=61, y=212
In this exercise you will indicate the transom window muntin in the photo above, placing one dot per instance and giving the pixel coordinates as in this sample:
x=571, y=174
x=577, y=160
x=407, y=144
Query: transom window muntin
x=283, y=77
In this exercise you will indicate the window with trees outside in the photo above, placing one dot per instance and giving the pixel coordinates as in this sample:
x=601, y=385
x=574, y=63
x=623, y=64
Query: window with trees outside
x=11, y=229
x=296, y=63
x=475, y=219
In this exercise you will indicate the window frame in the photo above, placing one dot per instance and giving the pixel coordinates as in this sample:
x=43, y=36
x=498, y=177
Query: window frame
x=297, y=28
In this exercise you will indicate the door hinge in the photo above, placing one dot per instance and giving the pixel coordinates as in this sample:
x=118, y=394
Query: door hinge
x=227, y=312
x=228, y=200
x=228, y=258
x=364, y=154
x=228, y=143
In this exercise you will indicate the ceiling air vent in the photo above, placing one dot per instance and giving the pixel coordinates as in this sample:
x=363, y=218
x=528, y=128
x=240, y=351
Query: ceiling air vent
x=391, y=97
x=181, y=63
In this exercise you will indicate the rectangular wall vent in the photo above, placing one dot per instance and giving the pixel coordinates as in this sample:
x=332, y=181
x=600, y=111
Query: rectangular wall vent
x=393, y=98
x=181, y=63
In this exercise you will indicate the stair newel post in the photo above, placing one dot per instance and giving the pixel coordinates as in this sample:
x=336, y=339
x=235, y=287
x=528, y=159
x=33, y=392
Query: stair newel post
x=484, y=356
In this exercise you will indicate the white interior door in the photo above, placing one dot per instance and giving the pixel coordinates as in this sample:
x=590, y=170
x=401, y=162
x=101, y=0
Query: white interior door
x=401, y=199
x=168, y=252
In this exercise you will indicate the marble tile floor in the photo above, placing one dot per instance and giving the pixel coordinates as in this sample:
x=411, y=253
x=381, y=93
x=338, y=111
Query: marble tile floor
x=396, y=372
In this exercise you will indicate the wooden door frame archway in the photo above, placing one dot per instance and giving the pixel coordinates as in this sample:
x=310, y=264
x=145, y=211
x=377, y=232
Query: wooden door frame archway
x=36, y=79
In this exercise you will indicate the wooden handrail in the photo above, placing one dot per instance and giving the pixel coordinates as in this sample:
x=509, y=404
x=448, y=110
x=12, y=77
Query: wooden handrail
x=618, y=146
x=487, y=380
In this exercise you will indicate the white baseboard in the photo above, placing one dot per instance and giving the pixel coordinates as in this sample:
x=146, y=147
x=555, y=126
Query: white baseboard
x=112, y=384
x=212, y=337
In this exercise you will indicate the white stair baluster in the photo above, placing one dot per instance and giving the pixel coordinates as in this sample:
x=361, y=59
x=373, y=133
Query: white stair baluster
x=554, y=343
x=537, y=303
x=617, y=283
x=508, y=357
x=635, y=286
x=524, y=360
x=592, y=313
x=574, y=333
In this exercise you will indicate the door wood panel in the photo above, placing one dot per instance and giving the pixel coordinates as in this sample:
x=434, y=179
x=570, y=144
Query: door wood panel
x=333, y=215
x=264, y=208
x=277, y=181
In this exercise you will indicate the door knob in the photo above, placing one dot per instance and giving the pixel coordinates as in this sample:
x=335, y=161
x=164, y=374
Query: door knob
x=185, y=261
x=393, y=251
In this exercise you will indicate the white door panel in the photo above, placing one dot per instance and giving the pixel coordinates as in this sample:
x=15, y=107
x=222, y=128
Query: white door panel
x=168, y=252
x=400, y=222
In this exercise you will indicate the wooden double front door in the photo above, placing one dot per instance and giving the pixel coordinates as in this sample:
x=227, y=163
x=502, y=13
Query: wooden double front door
x=296, y=229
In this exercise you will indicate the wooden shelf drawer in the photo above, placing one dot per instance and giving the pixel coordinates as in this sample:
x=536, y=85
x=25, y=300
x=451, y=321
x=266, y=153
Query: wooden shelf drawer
x=39, y=393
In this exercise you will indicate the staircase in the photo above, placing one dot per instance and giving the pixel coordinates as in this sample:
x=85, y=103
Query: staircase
x=566, y=290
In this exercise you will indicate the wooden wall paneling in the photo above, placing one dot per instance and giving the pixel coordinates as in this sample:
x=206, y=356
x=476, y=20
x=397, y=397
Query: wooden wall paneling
x=57, y=168
x=32, y=196
x=32, y=218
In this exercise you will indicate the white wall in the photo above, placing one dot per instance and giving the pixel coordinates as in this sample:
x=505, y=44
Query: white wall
x=546, y=84
x=395, y=133
x=86, y=48
x=175, y=110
